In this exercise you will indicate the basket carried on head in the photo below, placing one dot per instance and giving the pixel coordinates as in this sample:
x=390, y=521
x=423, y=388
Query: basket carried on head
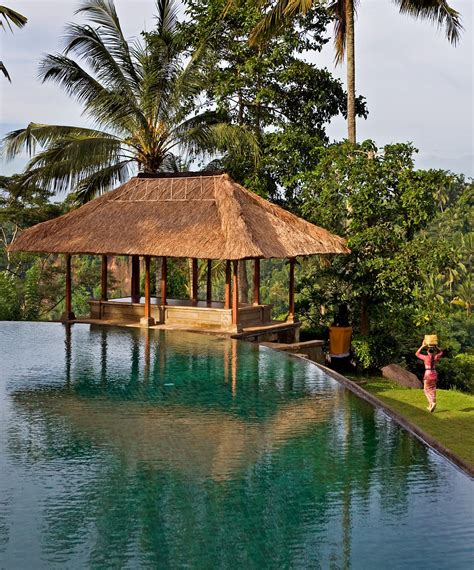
x=430, y=340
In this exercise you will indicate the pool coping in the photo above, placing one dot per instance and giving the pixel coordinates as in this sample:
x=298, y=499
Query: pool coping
x=414, y=430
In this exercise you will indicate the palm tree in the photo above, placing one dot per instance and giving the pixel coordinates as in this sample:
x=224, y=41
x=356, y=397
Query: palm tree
x=343, y=11
x=9, y=17
x=140, y=96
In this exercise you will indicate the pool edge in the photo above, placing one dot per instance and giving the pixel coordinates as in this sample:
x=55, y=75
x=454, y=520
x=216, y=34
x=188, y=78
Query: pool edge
x=425, y=438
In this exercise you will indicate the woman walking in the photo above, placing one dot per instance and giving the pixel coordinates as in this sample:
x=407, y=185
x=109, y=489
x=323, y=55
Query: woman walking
x=431, y=376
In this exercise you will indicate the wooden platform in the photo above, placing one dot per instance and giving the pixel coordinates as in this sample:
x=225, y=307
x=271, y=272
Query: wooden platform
x=182, y=313
x=254, y=321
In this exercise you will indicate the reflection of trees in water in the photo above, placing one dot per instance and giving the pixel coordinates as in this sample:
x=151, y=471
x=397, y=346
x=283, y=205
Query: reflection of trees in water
x=133, y=504
x=5, y=513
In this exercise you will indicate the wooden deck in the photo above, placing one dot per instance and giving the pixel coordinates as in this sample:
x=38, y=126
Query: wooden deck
x=182, y=313
x=255, y=323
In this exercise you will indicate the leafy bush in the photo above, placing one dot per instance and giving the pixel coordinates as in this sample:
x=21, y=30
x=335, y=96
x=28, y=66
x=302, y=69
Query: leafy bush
x=9, y=297
x=457, y=372
x=31, y=301
x=375, y=351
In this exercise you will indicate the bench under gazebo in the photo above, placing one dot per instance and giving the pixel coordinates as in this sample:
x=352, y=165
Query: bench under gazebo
x=199, y=216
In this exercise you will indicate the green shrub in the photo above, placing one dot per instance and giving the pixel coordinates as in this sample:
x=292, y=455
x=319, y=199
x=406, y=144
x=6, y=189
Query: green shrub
x=457, y=372
x=31, y=300
x=10, y=293
x=374, y=351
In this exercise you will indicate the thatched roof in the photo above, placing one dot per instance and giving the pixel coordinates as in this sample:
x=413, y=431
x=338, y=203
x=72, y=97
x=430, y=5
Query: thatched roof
x=197, y=215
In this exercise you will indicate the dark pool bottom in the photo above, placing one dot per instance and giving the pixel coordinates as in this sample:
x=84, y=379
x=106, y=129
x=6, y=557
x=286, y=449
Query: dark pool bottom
x=134, y=449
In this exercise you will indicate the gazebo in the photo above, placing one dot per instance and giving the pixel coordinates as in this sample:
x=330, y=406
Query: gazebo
x=203, y=215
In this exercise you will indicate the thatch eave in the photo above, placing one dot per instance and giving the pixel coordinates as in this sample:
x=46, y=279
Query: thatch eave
x=203, y=216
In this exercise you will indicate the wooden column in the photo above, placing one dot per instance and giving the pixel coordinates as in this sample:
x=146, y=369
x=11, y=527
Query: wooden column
x=256, y=282
x=291, y=292
x=194, y=285
x=68, y=315
x=164, y=279
x=104, y=293
x=235, y=293
x=147, y=320
x=209, y=282
x=228, y=278
x=135, y=293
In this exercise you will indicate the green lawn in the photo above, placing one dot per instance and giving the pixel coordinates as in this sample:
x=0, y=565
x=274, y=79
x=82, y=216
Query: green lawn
x=452, y=423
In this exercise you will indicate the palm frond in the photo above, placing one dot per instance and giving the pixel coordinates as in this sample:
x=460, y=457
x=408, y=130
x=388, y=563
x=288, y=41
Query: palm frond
x=36, y=134
x=9, y=17
x=4, y=70
x=191, y=81
x=102, y=181
x=59, y=177
x=167, y=18
x=338, y=10
x=103, y=13
x=86, y=43
x=298, y=7
x=436, y=11
x=204, y=138
x=271, y=23
x=174, y=163
x=108, y=107
x=79, y=152
x=71, y=158
x=282, y=12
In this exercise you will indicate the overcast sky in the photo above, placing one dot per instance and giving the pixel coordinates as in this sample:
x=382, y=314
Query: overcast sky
x=418, y=87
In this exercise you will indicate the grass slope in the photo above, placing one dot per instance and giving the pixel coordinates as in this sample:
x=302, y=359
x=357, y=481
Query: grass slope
x=452, y=423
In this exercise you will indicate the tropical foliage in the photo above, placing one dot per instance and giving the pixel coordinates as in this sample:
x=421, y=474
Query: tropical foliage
x=140, y=95
x=277, y=14
x=274, y=90
x=410, y=232
x=9, y=17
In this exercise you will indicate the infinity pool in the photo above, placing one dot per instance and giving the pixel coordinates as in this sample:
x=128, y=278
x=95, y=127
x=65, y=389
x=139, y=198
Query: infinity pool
x=122, y=448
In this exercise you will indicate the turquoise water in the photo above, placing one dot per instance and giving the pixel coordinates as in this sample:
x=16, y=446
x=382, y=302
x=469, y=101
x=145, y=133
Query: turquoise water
x=123, y=448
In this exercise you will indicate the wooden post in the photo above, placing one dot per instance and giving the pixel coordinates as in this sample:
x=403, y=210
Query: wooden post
x=209, y=282
x=235, y=293
x=164, y=279
x=228, y=278
x=194, y=286
x=135, y=293
x=291, y=293
x=147, y=320
x=68, y=315
x=104, y=294
x=256, y=282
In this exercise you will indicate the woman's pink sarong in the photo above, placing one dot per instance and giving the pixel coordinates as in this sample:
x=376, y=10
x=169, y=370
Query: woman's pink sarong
x=429, y=385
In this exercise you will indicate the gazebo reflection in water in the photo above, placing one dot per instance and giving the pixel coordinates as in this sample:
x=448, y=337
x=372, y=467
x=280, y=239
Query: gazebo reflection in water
x=216, y=432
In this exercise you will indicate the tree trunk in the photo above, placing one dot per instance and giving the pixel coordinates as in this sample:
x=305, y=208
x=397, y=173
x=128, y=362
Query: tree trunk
x=350, y=63
x=243, y=282
x=364, y=316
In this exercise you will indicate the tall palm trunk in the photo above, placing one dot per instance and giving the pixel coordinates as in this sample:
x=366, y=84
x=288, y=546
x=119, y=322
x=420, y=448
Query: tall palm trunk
x=350, y=62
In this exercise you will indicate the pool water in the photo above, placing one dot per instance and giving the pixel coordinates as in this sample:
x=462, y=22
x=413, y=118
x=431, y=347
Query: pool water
x=127, y=448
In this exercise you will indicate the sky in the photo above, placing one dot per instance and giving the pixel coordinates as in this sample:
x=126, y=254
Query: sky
x=418, y=87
